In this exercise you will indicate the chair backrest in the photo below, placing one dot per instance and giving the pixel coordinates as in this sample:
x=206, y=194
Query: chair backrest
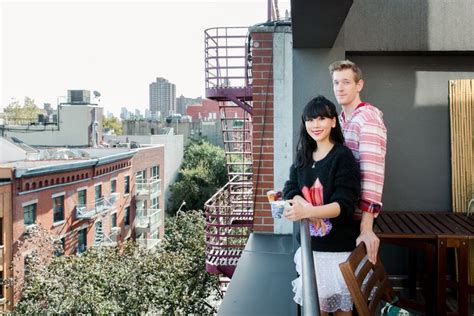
x=367, y=283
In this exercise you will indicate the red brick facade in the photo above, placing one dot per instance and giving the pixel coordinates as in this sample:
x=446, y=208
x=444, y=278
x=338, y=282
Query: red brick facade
x=201, y=112
x=6, y=292
x=43, y=195
x=145, y=159
x=42, y=189
x=262, y=125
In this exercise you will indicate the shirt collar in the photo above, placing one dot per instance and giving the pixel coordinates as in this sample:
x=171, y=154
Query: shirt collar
x=358, y=106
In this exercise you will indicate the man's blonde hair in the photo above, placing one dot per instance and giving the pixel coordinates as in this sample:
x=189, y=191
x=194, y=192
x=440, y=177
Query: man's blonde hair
x=346, y=64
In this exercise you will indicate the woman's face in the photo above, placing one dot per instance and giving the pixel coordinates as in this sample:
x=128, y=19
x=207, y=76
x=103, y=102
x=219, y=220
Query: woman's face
x=319, y=128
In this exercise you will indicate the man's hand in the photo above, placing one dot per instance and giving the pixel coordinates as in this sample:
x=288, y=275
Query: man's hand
x=371, y=242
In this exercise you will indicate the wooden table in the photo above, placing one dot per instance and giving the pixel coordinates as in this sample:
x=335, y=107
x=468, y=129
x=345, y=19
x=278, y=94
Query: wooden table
x=433, y=232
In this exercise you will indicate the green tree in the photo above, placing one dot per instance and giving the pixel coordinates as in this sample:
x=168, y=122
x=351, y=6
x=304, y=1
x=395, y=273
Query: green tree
x=25, y=113
x=112, y=123
x=212, y=158
x=168, y=280
x=202, y=174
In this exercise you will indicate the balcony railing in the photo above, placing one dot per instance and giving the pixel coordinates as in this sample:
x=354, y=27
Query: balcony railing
x=147, y=187
x=111, y=239
x=89, y=210
x=148, y=243
x=148, y=220
x=310, y=289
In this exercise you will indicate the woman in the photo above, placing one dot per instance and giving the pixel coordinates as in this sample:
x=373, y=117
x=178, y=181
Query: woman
x=322, y=155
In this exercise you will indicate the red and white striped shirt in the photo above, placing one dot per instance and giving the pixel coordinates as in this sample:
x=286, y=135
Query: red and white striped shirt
x=365, y=134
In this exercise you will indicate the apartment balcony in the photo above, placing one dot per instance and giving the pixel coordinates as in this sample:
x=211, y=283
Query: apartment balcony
x=148, y=243
x=148, y=188
x=107, y=240
x=97, y=207
x=111, y=239
x=148, y=220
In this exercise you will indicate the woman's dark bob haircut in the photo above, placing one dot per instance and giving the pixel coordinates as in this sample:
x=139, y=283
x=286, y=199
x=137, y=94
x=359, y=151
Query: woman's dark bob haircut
x=317, y=107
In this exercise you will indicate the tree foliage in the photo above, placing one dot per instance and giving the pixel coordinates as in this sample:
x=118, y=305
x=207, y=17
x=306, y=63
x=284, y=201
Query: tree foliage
x=168, y=280
x=112, y=123
x=25, y=113
x=202, y=173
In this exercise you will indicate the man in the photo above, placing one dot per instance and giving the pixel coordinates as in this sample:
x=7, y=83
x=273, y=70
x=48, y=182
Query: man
x=365, y=134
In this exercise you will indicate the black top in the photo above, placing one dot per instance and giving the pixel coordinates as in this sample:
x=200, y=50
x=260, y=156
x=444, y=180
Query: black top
x=339, y=174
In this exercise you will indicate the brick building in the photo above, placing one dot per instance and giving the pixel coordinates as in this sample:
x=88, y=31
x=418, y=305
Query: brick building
x=208, y=110
x=5, y=241
x=85, y=198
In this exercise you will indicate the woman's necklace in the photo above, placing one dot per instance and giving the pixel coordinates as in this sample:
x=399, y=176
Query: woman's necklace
x=320, y=157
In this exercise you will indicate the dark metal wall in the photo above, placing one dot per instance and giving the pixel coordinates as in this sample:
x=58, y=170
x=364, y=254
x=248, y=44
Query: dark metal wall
x=412, y=91
x=410, y=25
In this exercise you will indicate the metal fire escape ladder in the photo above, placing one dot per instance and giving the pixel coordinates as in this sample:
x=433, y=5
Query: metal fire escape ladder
x=229, y=213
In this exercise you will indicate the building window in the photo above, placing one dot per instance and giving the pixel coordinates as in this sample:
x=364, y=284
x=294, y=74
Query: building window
x=82, y=240
x=127, y=216
x=155, y=171
x=141, y=175
x=114, y=219
x=127, y=184
x=81, y=197
x=155, y=203
x=113, y=186
x=58, y=208
x=29, y=213
x=60, y=247
x=99, y=202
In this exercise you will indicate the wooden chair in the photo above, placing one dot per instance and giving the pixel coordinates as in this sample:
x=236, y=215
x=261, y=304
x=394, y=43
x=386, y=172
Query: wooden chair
x=366, y=296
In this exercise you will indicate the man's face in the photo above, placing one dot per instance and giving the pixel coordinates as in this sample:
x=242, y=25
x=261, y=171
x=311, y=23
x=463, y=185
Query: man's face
x=345, y=88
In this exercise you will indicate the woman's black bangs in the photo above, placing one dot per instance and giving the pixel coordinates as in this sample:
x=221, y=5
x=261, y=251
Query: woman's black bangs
x=313, y=111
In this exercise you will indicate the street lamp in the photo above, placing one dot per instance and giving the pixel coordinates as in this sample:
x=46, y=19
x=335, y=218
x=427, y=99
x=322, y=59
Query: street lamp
x=182, y=204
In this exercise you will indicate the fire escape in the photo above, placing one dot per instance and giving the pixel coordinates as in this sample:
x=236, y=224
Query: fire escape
x=229, y=212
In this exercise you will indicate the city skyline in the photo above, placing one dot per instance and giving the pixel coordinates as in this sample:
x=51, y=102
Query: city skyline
x=116, y=48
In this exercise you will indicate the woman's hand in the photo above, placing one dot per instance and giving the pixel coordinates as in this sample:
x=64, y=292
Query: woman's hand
x=296, y=211
x=318, y=223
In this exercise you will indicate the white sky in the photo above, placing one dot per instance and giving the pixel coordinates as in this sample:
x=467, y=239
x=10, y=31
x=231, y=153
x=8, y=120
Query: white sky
x=114, y=47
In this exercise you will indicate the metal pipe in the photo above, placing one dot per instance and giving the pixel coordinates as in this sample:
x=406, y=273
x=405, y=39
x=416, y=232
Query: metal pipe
x=269, y=10
x=310, y=289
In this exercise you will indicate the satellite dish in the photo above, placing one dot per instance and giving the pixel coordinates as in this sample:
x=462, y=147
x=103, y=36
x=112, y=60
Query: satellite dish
x=96, y=94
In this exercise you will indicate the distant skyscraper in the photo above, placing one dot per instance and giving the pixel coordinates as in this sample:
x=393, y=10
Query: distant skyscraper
x=147, y=114
x=162, y=97
x=124, y=115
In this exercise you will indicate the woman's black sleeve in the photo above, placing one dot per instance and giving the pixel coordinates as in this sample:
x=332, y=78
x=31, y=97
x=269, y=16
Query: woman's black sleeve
x=291, y=186
x=346, y=185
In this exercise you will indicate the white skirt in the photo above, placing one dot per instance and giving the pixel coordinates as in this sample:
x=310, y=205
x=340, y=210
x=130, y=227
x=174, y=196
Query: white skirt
x=332, y=289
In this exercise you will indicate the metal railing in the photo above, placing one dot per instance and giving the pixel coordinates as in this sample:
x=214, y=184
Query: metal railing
x=148, y=243
x=226, y=62
x=229, y=220
x=310, y=289
x=111, y=239
x=148, y=218
x=89, y=210
x=150, y=186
